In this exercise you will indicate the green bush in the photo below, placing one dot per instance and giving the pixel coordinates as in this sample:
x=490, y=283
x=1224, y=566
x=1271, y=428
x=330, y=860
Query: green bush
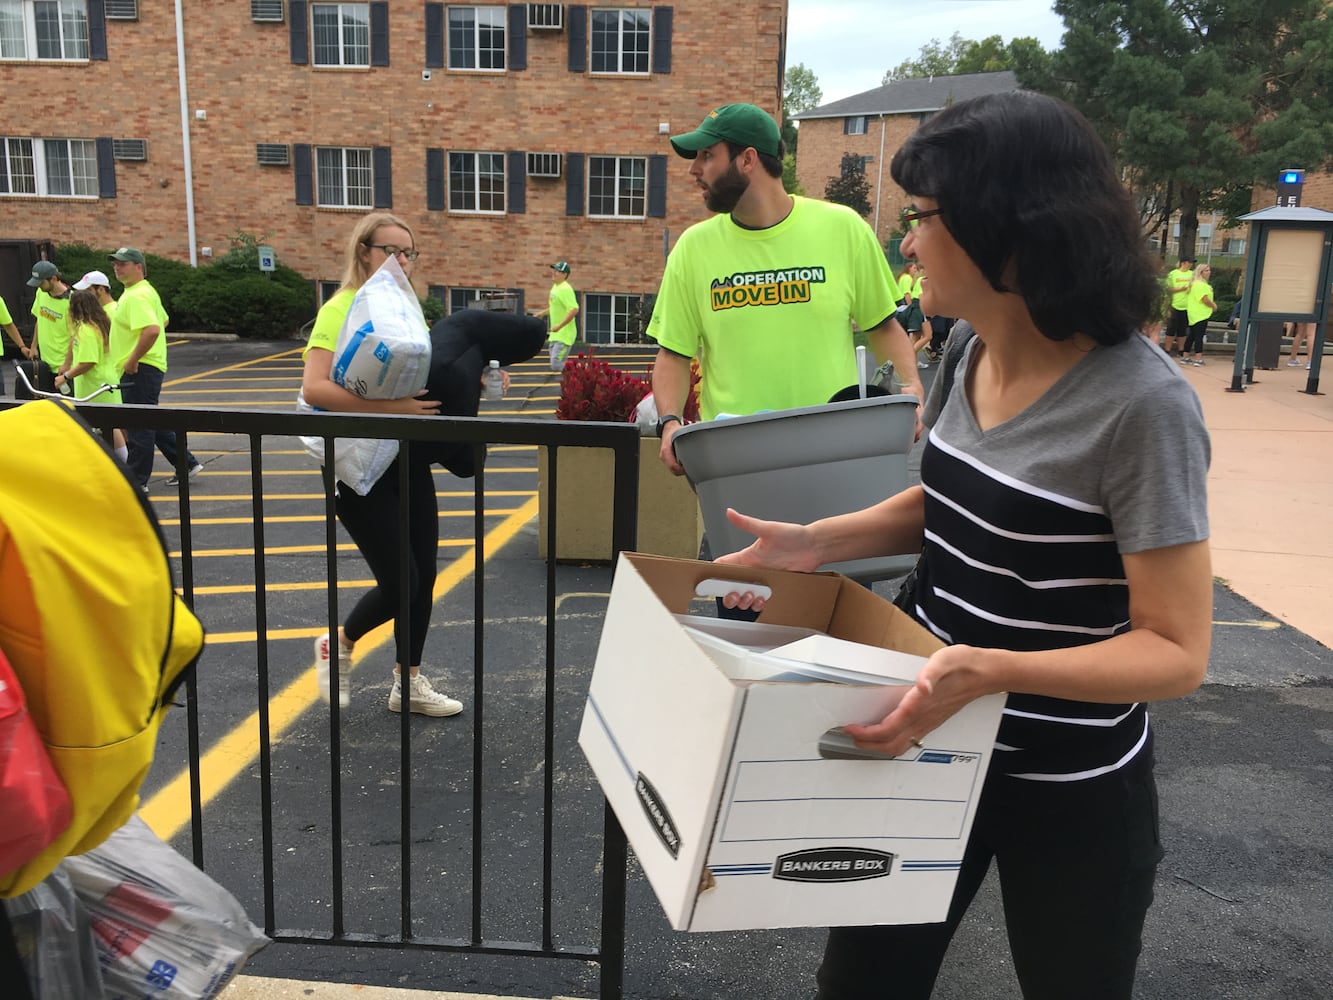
x=249, y=305
x=433, y=309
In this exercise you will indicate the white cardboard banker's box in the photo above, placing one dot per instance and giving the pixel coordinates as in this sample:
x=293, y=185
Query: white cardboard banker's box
x=744, y=803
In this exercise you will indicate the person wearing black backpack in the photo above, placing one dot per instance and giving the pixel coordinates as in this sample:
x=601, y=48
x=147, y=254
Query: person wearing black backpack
x=1065, y=541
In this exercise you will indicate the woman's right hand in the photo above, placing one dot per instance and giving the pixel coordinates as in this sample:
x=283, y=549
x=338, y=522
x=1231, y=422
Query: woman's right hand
x=419, y=405
x=777, y=545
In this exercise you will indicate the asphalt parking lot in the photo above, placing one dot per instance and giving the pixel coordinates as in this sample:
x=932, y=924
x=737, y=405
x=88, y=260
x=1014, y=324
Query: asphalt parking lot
x=1245, y=765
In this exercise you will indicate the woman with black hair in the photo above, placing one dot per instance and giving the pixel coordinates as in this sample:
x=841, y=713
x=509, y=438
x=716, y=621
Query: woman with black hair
x=1066, y=554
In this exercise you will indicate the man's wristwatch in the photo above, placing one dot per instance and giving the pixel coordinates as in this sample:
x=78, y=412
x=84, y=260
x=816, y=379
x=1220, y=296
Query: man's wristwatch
x=663, y=421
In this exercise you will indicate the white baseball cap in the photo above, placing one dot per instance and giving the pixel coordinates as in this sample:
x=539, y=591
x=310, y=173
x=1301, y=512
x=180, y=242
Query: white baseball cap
x=92, y=278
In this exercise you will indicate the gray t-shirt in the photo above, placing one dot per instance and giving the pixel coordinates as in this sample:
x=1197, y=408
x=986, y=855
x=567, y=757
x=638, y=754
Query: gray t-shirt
x=1026, y=523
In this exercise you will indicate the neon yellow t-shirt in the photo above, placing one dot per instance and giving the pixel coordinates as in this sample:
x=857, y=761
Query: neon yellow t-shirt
x=1178, y=282
x=769, y=312
x=329, y=321
x=562, y=301
x=5, y=318
x=139, y=306
x=905, y=283
x=52, y=330
x=1195, y=309
x=916, y=288
x=87, y=345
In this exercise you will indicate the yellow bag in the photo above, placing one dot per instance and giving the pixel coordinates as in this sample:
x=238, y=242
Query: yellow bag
x=89, y=618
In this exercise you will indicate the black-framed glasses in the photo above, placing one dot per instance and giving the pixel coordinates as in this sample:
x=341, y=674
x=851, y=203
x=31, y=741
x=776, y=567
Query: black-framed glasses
x=392, y=251
x=913, y=215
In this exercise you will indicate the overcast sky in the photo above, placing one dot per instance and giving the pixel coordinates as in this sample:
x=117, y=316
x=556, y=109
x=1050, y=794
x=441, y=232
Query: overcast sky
x=850, y=44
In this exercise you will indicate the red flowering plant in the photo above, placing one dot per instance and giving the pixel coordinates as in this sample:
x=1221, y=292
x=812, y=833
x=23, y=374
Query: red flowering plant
x=594, y=390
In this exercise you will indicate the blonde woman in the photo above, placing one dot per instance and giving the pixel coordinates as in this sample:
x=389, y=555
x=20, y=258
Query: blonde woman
x=373, y=520
x=1199, y=307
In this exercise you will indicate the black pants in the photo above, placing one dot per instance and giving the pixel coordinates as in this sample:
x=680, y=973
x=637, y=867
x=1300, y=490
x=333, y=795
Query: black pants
x=145, y=386
x=1194, y=338
x=1076, y=863
x=1177, y=324
x=375, y=524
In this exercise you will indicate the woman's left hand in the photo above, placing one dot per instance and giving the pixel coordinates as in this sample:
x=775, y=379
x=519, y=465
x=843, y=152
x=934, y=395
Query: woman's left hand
x=951, y=678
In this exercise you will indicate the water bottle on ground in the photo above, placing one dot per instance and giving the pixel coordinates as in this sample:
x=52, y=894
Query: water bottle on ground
x=495, y=386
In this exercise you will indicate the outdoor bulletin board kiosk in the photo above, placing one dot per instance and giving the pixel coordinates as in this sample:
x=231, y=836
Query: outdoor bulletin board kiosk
x=1287, y=274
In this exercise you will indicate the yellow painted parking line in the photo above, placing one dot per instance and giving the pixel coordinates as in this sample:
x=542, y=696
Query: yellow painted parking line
x=168, y=811
x=1266, y=624
x=272, y=588
x=314, y=518
x=297, y=550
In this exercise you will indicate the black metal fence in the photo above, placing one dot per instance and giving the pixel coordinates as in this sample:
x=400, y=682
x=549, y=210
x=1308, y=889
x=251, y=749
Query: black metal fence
x=257, y=427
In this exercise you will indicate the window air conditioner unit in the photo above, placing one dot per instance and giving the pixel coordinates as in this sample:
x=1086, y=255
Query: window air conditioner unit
x=266, y=10
x=129, y=149
x=122, y=10
x=543, y=164
x=546, y=16
x=272, y=154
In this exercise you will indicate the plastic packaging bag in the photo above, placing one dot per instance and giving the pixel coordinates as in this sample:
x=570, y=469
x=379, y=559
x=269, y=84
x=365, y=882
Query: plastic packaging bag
x=33, y=800
x=358, y=463
x=383, y=349
x=54, y=939
x=162, y=928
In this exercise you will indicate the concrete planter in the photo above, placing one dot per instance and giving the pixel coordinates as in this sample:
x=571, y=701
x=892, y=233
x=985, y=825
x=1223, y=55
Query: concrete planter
x=669, y=519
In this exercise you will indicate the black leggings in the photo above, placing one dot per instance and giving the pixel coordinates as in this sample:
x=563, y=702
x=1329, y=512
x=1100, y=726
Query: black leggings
x=1076, y=864
x=1194, y=338
x=373, y=522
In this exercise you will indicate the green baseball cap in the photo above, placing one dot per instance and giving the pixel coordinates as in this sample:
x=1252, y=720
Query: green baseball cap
x=743, y=124
x=130, y=254
x=42, y=270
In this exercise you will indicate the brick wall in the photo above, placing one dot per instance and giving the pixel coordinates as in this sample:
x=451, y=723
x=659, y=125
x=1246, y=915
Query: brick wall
x=820, y=150
x=240, y=74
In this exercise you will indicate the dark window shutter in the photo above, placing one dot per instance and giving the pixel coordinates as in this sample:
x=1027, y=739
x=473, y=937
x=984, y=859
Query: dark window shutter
x=518, y=36
x=435, y=36
x=435, y=180
x=303, y=170
x=576, y=24
x=106, y=168
x=516, y=177
x=379, y=34
x=662, y=39
x=96, y=29
x=657, y=186
x=382, y=160
x=300, y=44
x=573, y=183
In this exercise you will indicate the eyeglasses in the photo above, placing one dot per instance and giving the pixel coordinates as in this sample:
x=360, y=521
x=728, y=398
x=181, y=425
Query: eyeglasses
x=392, y=251
x=913, y=215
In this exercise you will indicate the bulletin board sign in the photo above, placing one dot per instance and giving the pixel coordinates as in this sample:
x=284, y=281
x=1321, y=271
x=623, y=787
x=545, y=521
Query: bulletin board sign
x=1291, y=262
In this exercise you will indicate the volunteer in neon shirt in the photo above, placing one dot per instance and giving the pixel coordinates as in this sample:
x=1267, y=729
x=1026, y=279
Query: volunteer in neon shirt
x=50, y=337
x=563, y=309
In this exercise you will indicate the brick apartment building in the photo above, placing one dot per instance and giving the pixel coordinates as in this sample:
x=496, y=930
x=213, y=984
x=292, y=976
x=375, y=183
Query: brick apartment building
x=508, y=136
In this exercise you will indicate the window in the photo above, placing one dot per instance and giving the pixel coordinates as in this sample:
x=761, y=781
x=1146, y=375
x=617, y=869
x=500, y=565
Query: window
x=476, y=182
x=341, y=33
x=620, y=38
x=466, y=298
x=43, y=29
x=477, y=38
x=610, y=319
x=343, y=177
x=854, y=125
x=617, y=186
x=51, y=168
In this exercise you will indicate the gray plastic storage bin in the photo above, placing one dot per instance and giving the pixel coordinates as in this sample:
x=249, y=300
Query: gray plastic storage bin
x=800, y=465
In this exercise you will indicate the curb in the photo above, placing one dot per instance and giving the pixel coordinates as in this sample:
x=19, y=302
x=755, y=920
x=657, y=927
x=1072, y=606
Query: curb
x=261, y=988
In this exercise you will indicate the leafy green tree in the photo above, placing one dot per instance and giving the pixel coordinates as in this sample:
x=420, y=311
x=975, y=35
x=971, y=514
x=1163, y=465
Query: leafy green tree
x=1197, y=101
x=800, y=92
x=790, y=184
x=850, y=187
x=963, y=55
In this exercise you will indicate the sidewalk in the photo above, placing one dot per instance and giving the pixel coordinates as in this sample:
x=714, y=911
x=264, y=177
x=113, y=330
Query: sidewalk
x=1269, y=490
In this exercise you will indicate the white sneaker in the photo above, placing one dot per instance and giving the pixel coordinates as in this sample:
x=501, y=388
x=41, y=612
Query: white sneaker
x=195, y=469
x=322, y=670
x=425, y=699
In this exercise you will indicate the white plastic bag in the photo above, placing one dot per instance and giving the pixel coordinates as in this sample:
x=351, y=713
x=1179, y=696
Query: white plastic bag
x=54, y=940
x=358, y=462
x=383, y=352
x=383, y=349
x=645, y=415
x=162, y=927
